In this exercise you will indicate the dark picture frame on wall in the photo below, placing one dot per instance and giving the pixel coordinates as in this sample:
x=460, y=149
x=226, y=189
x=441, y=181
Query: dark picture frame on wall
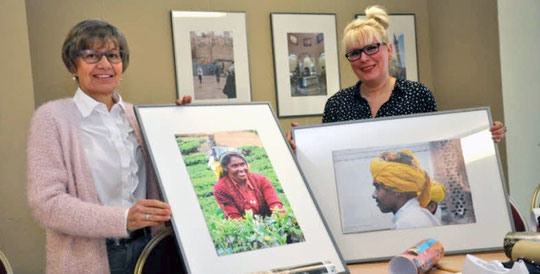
x=402, y=35
x=200, y=154
x=211, y=56
x=306, y=65
x=347, y=164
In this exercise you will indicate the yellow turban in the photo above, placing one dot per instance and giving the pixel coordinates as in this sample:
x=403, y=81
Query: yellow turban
x=402, y=172
x=437, y=192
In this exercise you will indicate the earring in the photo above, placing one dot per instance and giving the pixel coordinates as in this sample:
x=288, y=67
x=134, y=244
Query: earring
x=74, y=77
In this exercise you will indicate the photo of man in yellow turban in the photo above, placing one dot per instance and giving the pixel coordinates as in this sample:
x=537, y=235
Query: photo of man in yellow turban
x=403, y=188
x=437, y=196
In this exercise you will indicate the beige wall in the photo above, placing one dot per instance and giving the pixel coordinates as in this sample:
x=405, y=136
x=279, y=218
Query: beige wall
x=20, y=238
x=465, y=60
x=519, y=72
x=457, y=55
x=146, y=24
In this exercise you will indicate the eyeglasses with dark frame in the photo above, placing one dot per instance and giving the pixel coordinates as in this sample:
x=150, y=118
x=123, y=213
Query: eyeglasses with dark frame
x=368, y=50
x=92, y=56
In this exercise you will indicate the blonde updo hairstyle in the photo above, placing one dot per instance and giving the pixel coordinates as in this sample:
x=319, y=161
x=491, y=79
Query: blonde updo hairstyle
x=365, y=31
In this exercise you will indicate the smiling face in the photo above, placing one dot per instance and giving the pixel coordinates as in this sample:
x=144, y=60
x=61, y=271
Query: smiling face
x=237, y=169
x=101, y=79
x=371, y=68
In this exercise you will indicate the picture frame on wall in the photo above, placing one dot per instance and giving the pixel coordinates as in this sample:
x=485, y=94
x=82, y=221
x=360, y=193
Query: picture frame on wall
x=306, y=73
x=373, y=187
x=202, y=154
x=402, y=35
x=211, y=56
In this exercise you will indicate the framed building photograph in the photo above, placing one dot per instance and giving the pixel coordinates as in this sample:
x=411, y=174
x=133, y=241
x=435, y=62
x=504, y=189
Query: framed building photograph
x=402, y=34
x=388, y=193
x=306, y=72
x=235, y=191
x=211, y=56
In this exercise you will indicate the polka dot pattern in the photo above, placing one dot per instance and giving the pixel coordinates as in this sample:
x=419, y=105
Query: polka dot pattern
x=408, y=97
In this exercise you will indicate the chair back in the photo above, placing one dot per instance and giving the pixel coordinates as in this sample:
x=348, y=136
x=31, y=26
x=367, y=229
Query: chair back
x=160, y=255
x=520, y=223
x=535, y=207
x=5, y=267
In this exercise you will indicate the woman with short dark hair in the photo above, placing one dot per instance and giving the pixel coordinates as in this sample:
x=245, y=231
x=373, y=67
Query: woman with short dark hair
x=90, y=184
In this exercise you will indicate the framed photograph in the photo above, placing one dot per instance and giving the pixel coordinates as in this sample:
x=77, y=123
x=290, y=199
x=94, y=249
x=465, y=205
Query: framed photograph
x=211, y=56
x=388, y=183
x=306, y=73
x=237, y=196
x=402, y=34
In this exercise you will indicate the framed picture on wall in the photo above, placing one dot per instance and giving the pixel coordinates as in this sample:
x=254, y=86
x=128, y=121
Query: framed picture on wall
x=402, y=34
x=306, y=73
x=230, y=178
x=390, y=193
x=211, y=56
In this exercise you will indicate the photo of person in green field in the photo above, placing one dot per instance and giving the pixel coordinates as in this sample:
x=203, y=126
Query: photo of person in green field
x=238, y=190
x=241, y=198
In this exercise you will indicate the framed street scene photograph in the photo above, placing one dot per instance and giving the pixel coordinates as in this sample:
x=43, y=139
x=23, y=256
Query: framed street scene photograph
x=211, y=56
x=388, y=183
x=240, y=204
x=305, y=62
x=402, y=34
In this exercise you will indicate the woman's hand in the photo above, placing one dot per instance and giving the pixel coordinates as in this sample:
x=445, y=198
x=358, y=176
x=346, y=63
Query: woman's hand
x=184, y=101
x=289, y=136
x=498, y=131
x=147, y=213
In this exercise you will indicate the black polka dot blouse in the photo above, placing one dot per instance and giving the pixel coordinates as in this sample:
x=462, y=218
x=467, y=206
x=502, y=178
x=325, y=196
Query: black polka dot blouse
x=408, y=97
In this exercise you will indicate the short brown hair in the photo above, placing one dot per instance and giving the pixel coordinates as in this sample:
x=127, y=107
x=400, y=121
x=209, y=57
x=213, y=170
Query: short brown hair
x=87, y=34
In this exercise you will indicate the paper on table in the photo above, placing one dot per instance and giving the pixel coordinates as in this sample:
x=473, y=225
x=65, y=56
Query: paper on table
x=475, y=265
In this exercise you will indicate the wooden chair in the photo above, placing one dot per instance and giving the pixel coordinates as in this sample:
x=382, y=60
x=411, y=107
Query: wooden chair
x=5, y=267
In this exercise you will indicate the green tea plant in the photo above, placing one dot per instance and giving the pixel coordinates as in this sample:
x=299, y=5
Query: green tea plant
x=189, y=146
x=253, y=231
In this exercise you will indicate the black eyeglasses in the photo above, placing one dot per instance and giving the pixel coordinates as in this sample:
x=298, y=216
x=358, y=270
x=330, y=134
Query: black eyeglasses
x=92, y=56
x=368, y=50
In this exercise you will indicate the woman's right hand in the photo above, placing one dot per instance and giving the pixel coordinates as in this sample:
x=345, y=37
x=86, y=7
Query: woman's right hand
x=146, y=213
x=289, y=136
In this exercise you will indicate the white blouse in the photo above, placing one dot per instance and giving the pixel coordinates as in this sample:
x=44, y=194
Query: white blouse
x=113, y=154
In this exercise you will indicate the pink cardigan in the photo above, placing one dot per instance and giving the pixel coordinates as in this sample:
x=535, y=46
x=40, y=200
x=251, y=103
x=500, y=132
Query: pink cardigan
x=62, y=195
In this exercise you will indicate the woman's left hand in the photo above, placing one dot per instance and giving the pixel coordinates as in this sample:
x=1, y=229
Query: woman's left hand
x=147, y=212
x=498, y=131
x=185, y=100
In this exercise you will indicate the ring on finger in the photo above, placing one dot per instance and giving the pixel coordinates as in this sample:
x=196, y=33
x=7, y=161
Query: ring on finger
x=147, y=217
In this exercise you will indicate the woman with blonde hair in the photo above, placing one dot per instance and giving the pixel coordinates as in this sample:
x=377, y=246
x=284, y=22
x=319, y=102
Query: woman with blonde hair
x=377, y=93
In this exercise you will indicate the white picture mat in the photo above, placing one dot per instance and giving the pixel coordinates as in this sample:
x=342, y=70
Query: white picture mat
x=404, y=23
x=282, y=24
x=160, y=124
x=185, y=22
x=314, y=146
